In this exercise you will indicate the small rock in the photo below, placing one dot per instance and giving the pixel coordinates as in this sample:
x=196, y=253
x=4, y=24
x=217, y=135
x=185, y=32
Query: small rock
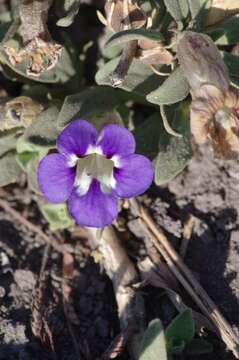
x=25, y=280
x=2, y=292
x=14, y=334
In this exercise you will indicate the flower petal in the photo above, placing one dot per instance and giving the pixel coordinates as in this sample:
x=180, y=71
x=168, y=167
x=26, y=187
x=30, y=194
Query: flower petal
x=76, y=137
x=134, y=176
x=94, y=209
x=55, y=178
x=116, y=140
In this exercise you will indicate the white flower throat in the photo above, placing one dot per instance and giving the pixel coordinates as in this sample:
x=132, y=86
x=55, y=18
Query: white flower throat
x=94, y=166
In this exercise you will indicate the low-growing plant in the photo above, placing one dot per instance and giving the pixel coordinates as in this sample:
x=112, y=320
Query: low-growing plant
x=177, y=338
x=82, y=147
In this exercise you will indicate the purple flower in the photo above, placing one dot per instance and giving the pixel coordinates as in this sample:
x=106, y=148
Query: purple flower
x=91, y=172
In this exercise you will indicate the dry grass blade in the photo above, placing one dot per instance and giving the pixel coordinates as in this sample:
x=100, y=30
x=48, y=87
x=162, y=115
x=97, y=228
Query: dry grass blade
x=187, y=234
x=188, y=281
x=152, y=274
x=34, y=228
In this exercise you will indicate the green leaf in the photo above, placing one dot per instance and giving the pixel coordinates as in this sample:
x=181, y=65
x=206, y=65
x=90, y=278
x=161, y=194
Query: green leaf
x=199, y=12
x=3, y=29
x=184, y=7
x=8, y=141
x=227, y=33
x=235, y=82
x=174, y=152
x=38, y=92
x=25, y=158
x=174, y=9
x=147, y=136
x=139, y=80
x=133, y=34
x=198, y=347
x=181, y=329
x=22, y=145
x=10, y=170
x=177, y=347
x=32, y=175
x=195, y=7
x=174, y=89
x=71, y=8
x=57, y=215
x=103, y=118
x=90, y=101
x=232, y=62
x=43, y=131
x=153, y=346
x=110, y=52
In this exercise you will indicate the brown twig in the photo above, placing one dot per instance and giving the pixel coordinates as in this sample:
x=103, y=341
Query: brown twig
x=127, y=57
x=69, y=311
x=37, y=303
x=188, y=281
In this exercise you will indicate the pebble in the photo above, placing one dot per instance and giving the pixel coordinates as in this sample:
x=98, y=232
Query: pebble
x=2, y=292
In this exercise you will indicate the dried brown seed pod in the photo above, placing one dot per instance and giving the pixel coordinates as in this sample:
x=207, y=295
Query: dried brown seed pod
x=122, y=15
x=152, y=52
x=39, y=50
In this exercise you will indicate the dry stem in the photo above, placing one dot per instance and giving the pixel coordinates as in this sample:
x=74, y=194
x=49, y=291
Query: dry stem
x=188, y=281
x=124, y=277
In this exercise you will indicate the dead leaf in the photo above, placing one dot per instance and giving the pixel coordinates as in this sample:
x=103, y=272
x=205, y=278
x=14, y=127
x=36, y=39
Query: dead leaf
x=122, y=15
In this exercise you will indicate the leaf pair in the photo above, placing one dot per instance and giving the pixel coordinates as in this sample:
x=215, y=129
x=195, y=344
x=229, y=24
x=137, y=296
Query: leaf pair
x=178, y=337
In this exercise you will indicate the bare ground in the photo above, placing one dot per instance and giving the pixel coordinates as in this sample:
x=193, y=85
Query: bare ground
x=208, y=189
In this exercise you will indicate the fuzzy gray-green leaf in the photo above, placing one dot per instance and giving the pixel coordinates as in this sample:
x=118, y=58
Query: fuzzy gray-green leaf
x=71, y=8
x=174, y=9
x=25, y=158
x=57, y=215
x=8, y=141
x=43, y=131
x=199, y=12
x=133, y=34
x=184, y=7
x=10, y=170
x=153, y=345
x=174, y=152
x=174, y=89
x=90, y=101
